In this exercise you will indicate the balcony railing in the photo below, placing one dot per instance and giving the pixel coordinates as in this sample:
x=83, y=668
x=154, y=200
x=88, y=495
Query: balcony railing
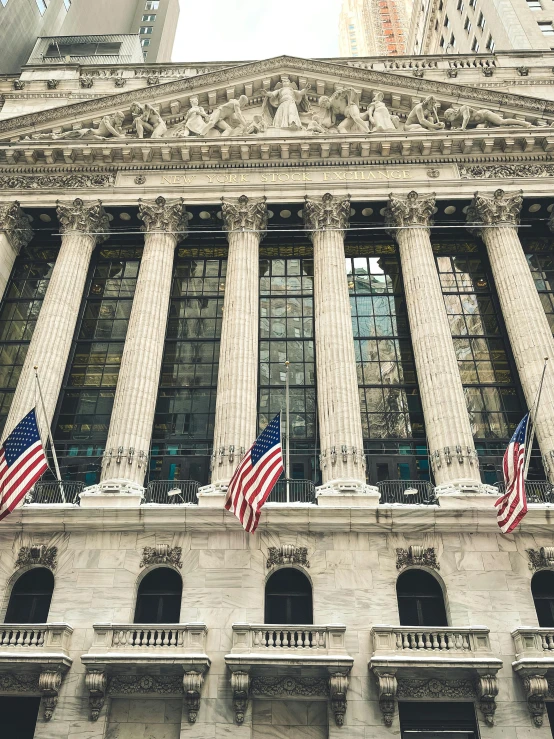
x=534, y=643
x=56, y=492
x=37, y=638
x=172, y=492
x=299, y=491
x=413, y=492
x=298, y=638
x=411, y=641
x=537, y=491
x=150, y=638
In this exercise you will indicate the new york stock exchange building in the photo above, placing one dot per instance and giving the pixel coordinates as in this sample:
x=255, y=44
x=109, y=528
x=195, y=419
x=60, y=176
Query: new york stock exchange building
x=171, y=237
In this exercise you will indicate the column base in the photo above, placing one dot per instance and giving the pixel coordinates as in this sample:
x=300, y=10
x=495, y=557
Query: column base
x=347, y=494
x=112, y=494
x=466, y=494
x=213, y=495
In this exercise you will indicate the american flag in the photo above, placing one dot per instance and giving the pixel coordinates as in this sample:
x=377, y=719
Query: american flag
x=256, y=476
x=512, y=506
x=22, y=462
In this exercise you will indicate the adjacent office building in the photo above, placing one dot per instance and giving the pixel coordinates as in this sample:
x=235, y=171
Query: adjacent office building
x=22, y=21
x=373, y=27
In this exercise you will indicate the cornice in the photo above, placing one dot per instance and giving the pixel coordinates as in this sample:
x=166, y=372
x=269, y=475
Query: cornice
x=536, y=106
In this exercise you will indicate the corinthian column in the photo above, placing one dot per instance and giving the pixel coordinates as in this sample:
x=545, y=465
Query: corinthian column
x=338, y=405
x=130, y=433
x=83, y=225
x=15, y=233
x=495, y=218
x=449, y=436
x=245, y=221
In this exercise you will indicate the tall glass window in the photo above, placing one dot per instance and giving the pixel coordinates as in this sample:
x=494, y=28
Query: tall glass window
x=19, y=312
x=185, y=411
x=89, y=389
x=541, y=263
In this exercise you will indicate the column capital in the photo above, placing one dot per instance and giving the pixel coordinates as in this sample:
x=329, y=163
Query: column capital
x=167, y=216
x=326, y=213
x=16, y=225
x=244, y=214
x=499, y=209
x=89, y=218
x=411, y=210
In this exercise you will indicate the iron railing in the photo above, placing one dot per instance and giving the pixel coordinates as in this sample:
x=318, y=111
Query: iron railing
x=414, y=492
x=53, y=491
x=299, y=491
x=537, y=491
x=172, y=492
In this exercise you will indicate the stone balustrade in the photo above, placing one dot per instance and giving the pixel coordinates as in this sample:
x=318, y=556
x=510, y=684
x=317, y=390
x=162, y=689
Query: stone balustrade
x=35, y=639
x=534, y=663
x=138, y=638
x=407, y=640
x=533, y=642
x=260, y=637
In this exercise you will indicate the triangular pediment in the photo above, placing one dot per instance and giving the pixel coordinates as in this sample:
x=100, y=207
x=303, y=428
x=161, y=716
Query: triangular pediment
x=172, y=101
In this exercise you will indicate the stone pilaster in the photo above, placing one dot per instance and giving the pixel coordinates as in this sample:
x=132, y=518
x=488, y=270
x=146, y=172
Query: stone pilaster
x=451, y=447
x=245, y=220
x=82, y=225
x=127, y=448
x=15, y=233
x=338, y=405
x=495, y=218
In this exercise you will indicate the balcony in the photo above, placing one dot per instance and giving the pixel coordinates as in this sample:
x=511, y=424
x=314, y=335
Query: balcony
x=537, y=491
x=293, y=491
x=407, y=492
x=289, y=660
x=534, y=663
x=52, y=492
x=172, y=492
x=34, y=658
x=402, y=654
x=169, y=657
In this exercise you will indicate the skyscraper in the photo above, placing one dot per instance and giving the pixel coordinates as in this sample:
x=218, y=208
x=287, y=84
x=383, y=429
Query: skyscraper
x=22, y=21
x=373, y=27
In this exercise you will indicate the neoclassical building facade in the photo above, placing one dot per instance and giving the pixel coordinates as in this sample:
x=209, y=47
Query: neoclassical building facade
x=177, y=245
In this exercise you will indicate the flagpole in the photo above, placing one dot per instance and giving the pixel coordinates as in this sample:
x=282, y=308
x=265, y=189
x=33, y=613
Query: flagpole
x=287, y=400
x=48, y=431
x=533, y=414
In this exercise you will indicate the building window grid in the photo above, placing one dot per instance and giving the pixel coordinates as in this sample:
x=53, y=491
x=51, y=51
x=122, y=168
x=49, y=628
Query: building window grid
x=152, y=5
x=541, y=263
x=149, y=18
x=146, y=30
x=42, y=6
x=547, y=28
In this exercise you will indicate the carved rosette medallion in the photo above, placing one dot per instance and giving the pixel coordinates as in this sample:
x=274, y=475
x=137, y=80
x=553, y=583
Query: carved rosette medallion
x=161, y=554
x=245, y=214
x=500, y=209
x=326, y=213
x=287, y=554
x=88, y=218
x=16, y=225
x=37, y=555
x=167, y=216
x=416, y=555
x=409, y=211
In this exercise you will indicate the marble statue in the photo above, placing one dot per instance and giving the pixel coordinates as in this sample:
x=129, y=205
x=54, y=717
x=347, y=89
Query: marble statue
x=226, y=118
x=378, y=115
x=424, y=117
x=325, y=120
x=193, y=122
x=110, y=127
x=256, y=125
x=285, y=100
x=146, y=119
x=461, y=116
x=345, y=102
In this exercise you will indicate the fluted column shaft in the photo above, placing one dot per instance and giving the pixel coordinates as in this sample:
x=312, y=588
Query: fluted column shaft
x=236, y=404
x=82, y=226
x=526, y=323
x=15, y=233
x=449, y=436
x=130, y=431
x=340, y=424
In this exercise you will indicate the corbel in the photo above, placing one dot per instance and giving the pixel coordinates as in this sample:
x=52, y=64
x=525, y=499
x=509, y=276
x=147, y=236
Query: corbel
x=536, y=690
x=388, y=688
x=446, y=146
x=385, y=148
x=166, y=153
x=285, y=151
x=487, y=145
x=365, y=148
x=425, y=147
x=96, y=682
x=185, y=154
x=265, y=150
x=304, y=151
x=175, y=107
x=320, y=87
x=88, y=155
x=205, y=153
x=529, y=143
x=240, y=686
x=467, y=145
x=146, y=153
x=249, y=89
x=50, y=155
x=507, y=144
x=226, y=152
x=212, y=99
x=245, y=152
x=49, y=684
x=13, y=155
x=107, y=155
x=548, y=143
x=230, y=92
x=68, y=155
x=345, y=149
x=192, y=686
x=338, y=687
x=487, y=690
x=406, y=148
x=30, y=156
x=324, y=150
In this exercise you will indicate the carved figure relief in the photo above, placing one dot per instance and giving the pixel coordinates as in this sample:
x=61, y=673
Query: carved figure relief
x=416, y=555
x=193, y=122
x=226, y=119
x=161, y=554
x=147, y=120
x=424, y=117
x=460, y=117
x=282, y=105
x=379, y=117
x=37, y=555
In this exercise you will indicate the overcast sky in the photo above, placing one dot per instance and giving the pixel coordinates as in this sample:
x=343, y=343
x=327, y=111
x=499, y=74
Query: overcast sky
x=221, y=30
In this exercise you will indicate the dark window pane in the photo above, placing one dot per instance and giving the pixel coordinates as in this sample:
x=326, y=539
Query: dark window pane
x=420, y=600
x=30, y=597
x=288, y=598
x=19, y=716
x=159, y=597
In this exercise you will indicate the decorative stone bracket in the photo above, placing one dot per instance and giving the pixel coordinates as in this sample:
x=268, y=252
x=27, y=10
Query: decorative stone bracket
x=388, y=688
x=161, y=554
x=486, y=687
x=536, y=691
x=192, y=687
x=240, y=686
x=96, y=682
x=287, y=554
x=416, y=555
x=37, y=554
x=49, y=684
x=338, y=686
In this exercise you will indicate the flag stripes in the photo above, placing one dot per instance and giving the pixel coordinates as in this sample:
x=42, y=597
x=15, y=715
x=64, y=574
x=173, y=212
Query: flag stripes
x=512, y=506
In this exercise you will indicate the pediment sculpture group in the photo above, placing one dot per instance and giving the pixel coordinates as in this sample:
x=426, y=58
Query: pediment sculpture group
x=287, y=110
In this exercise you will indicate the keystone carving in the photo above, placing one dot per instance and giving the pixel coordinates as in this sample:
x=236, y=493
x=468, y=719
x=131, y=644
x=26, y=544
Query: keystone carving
x=192, y=686
x=88, y=218
x=501, y=209
x=244, y=214
x=540, y=559
x=388, y=688
x=287, y=555
x=19, y=84
x=167, y=216
x=16, y=225
x=536, y=690
x=96, y=682
x=86, y=81
x=416, y=555
x=52, y=84
x=410, y=210
x=37, y=554
x=240, y=685
x=49, y=683
x=325, y=213
x=161, y=554
x=487, y=690
x=338, y=686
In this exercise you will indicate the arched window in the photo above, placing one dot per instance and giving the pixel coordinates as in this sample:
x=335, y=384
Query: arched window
x=159, y=597
x=420, y=599
x=30, y=597
x=288, y=598
x=542, y=587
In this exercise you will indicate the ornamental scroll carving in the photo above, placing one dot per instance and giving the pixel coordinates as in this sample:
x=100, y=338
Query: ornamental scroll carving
x=141, y=684
x=325, y=213
x=537, y=688
x=338, y=687
x=435, y=688
x=244, y=214
x=88, y=218
x=410, y=210
x=96, y=682
x=16, y=225
x=56, y=181
x=387, y=686
x=47, y=683
x=500, y=171
x=541, y=559
x=192, y=687
x=276, y=687
x=37, y=554
x=161, y=554
x=416, y=555
x=287, y=554
x=167, y=216
x=240, y=686
x=501, y=209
